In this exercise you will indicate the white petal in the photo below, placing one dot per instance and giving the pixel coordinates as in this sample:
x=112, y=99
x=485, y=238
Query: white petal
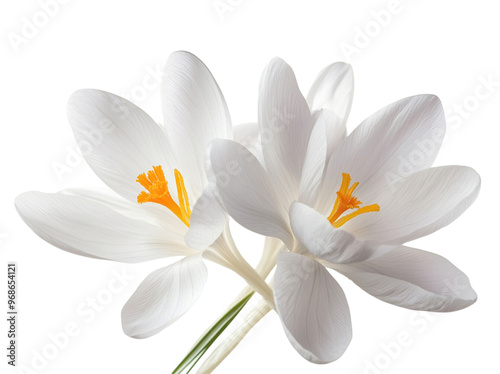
x=285, y=125
x=118, y=140
x=246, y=191
x=323, y=240
x=421, y=204
x=163, y=297
x=314, y=164
x=333, y=90
x=399, y=139
x=155, y=214
x=208, y=219
x=336, y=130
x=414, y=279
x=312, y=307
x=194, y=111
x=88, y=228
x=247, y=134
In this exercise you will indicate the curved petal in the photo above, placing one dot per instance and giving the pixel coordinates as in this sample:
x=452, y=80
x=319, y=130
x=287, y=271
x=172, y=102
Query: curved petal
x=208, y=219
x=333, y=90
x=314, y=163
x=118, y=140
x=285, y=125
x=195, y=112
x=154, y=214
x=163, y=297
x=312, y=307
x=336, y=130
x=324, y=241
x=246, y=191
x=88, y=228
x=247, y=134
x=413, y=279
x=400, y=139
x=421, y=204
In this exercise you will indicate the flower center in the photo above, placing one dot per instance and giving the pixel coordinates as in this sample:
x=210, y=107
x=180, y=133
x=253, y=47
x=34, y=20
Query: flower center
x=346, y=201
x=158, y=192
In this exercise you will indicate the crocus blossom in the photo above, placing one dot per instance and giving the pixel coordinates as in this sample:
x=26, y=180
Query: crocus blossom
x=348, y=203
x=158, y=175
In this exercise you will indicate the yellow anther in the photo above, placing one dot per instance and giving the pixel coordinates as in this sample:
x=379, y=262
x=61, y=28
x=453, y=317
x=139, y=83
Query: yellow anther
x=158, y=192
x=346, y=201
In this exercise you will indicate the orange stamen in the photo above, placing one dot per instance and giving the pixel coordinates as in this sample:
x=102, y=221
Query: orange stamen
x=158, y=192
x=345, y=201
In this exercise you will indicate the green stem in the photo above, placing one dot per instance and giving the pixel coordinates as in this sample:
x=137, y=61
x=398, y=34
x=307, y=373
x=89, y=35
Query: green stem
x=211, y=335
x=232, y=341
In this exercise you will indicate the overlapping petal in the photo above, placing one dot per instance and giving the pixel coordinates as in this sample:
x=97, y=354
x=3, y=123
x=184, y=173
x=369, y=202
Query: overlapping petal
x=314, y=163
x=247, y=192
x=247, y=134
x=324, y=241
x=335, y=127
x=208, y=220
x=312, y=307
x=407, y=132
x=420, y=204
x=333, y=90
x=163, y=297
x=414, y=279
x=285, y=123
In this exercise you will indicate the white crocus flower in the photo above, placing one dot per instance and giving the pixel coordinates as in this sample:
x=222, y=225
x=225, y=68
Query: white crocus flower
x=345, y=204
x=160, y=167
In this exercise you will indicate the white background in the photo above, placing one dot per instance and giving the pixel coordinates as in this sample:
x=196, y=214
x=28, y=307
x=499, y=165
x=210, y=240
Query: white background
x=447, y=48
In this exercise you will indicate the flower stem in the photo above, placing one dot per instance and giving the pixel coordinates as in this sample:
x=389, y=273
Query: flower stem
x=227, y=346
x=210, y=336
x=267, y=262
x=224, y=252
